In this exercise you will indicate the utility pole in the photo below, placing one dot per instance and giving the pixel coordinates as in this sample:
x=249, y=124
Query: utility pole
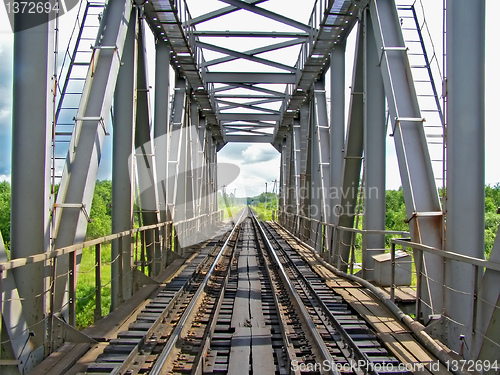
x=265, y=201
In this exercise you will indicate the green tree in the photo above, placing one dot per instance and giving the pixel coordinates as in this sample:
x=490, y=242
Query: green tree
x=491, y=218
x=5, y=211
x=100, y=212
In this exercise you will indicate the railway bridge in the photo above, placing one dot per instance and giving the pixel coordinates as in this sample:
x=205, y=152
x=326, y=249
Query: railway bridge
x=324, y=287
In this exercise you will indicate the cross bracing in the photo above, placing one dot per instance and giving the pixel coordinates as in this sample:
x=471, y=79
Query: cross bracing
x=250, y=71
x=313, y=39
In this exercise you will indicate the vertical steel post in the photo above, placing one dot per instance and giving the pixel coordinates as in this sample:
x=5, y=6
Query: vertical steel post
x=374, y=152
x=123, y=171
x=174, y=147
x=305, y=172
x=161, y=107
x=145, y=154
x=85, y=148
x=322, y=130
x=465, y=172
x=337, y=124
x=423, y=207
x=297, y=157
x=98, y=284
x=72, y=288
x=353, y=153
x=31, y=201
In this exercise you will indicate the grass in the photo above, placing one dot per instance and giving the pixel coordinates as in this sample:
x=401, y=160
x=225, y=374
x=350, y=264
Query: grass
x=85, y=288
x=233, y=209
x=264, y=210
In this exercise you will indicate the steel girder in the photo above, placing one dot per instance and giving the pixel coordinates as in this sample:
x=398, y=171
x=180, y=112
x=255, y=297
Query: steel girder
x=353, y=153
x=297, y=160
x=161, y=118
x=146, y=160
x=85, y=149
x=374, y=134
x=123, y=171
x=465, y=56
x=179, y=105
x=337, y=124
x=305, y=173
x=24, y=298
x=329, y=23
x=423, y=207
x=321, y=167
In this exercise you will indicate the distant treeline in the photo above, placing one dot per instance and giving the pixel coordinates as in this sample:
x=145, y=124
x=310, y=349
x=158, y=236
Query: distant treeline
x=266, y=202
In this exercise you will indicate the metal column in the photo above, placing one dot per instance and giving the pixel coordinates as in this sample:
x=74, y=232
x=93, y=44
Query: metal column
x=322, y=150
x=123, y=172
x=161, y=113
x=296, y=166
x=337, y=124
x=145, y=158
x=423, y=207
x=305, y=173
x=174, y=141
x=465, y=170
x=161, y=106
x=374, y=152
x=31, y=201
x=85, y=149
x=352, y=165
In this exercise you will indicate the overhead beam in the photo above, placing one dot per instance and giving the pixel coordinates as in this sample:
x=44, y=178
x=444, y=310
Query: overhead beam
x=245, y=56
x=219, y=12
x=251, y=87
x=251, y=34
x=268, y=14
x=255, y=78
x=256, y=51
x=248, y=116
x=254, y=106
x=249, y=138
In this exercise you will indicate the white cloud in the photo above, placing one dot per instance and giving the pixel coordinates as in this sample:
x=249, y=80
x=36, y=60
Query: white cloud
x=259, y=152
x=259, y=163
x=4, y=177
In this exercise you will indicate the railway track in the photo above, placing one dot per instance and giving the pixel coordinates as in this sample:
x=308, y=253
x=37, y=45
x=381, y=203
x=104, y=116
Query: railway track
x=249, y=304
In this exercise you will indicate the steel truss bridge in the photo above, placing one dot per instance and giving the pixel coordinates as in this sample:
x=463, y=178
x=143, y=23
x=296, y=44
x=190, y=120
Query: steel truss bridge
x=246, y=71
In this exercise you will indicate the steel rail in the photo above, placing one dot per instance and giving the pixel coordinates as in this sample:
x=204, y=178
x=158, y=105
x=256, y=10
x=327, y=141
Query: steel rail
x=287, y=344
x=310, y=326
x=174, y=337
x=361, y=356
x=123, y=367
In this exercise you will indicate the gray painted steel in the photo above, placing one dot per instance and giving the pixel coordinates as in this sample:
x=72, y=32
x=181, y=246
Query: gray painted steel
x=145, y=158
x=85, y=150
x=31, y=200
x=177, y=171
x=161, y=113
x=421, y=198
x=352, y=161
x=465, y=44
x=374, y=153
x=123, y=172
x=337, y=124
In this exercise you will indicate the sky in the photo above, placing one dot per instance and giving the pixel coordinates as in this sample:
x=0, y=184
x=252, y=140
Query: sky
x=259, y=163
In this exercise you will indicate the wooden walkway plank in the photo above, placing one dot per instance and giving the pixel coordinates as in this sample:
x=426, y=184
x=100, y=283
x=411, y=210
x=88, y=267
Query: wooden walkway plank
x=262, y=348
x=239, y=357
x=396, y=336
